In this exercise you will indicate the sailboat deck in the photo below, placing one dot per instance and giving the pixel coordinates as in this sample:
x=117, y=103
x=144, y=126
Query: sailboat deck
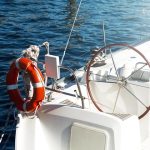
x=145, y=144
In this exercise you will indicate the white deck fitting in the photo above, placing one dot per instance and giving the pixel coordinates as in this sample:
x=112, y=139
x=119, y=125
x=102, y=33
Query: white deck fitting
x=53, y=129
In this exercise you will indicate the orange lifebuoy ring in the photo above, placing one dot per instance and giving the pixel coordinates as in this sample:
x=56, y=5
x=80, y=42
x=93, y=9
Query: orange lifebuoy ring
x=36, y=78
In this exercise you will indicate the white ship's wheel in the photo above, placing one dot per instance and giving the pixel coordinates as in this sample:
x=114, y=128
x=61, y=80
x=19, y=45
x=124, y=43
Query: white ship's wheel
x=119, y=82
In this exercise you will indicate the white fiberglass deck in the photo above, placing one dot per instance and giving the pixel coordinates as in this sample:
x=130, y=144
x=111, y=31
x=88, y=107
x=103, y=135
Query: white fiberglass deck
x=60, y=127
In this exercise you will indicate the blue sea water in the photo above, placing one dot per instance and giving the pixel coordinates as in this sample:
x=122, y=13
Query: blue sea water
x=28, y=22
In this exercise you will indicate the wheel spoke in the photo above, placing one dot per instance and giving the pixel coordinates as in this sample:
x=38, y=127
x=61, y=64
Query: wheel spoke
x=134, y=96
x=116, y=98
x=134, y=72
x=107, y=79
x=138, y=85
x=114, y=63
x=103, y=81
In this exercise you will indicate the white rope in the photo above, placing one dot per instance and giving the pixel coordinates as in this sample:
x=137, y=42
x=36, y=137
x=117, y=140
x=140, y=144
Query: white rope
x=37, y=85
x=71, y=32
x=40, y=78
